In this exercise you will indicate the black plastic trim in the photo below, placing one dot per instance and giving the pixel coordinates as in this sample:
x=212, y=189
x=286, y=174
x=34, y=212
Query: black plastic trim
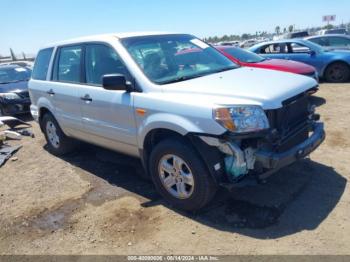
x=273, y=160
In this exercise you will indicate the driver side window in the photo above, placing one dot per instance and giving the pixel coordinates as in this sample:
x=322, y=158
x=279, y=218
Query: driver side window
x=102, y=60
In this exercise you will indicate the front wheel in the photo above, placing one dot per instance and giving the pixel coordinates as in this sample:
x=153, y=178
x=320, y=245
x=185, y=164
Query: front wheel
x=337, y=73
x=180, y=176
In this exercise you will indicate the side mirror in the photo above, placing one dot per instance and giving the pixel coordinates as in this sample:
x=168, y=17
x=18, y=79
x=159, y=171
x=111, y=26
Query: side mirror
x=116, y=82
x=312, y=53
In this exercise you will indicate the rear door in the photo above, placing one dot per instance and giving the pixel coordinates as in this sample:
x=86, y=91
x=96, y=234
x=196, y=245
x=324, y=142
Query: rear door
x=66, y=81
x=108, y=115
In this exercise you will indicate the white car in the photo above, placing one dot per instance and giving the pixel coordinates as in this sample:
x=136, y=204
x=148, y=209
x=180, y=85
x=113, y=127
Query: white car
x=196, y=120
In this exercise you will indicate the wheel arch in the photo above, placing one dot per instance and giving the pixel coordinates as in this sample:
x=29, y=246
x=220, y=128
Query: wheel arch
x=332, y=63
x=42, y=112
x=209, y=155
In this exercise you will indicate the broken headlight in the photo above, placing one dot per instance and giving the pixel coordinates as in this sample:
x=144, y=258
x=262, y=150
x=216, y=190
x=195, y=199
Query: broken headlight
x=241, y=119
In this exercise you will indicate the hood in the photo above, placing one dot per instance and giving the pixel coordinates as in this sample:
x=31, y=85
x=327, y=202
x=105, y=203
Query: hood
x=285, y=65
x=14, y=87
x=267, y=88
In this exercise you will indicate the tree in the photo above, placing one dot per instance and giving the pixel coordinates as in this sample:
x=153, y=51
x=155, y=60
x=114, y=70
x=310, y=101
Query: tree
x=284, y=30
x=245, y=36
x=291, y=28
x=278, y=30
x=329, y=26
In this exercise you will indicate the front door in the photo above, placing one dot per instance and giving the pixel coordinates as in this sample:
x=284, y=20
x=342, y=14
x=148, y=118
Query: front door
x=107, y=115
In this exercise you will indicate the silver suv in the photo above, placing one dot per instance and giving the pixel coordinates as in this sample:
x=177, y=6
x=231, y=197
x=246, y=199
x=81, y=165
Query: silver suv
x=194, y=118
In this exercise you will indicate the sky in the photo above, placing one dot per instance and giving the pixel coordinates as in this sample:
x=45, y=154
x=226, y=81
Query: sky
x=27, y=25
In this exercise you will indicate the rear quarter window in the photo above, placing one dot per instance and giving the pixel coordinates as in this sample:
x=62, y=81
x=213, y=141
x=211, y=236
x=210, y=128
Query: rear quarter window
x=41, y=65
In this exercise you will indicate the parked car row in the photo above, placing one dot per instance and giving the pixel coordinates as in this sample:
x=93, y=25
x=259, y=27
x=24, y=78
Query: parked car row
x=328, y=54
x=250, y=59
x=341, y=31
x=195, y=118
x=332, y=65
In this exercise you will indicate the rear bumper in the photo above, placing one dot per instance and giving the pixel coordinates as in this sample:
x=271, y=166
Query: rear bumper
x=273, y=160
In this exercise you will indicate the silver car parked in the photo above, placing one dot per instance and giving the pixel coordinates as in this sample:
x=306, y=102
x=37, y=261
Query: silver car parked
x=195, y=119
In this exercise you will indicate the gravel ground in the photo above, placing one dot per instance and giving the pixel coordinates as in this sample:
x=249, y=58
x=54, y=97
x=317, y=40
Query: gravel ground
x=93, y=202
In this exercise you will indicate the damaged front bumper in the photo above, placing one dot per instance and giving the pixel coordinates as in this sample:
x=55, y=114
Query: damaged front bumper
x=15, y=106
x=273, y=160
x=240, y=160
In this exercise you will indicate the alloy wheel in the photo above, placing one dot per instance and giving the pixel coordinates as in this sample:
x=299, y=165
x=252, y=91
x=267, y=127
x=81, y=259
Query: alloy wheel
x=52, y=136
x=176, y=176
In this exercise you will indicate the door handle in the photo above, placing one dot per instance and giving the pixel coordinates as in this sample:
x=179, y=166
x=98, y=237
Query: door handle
x=86, y=98
x=51, y=92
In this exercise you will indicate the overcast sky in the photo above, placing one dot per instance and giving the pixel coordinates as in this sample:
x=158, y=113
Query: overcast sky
x=27, y=25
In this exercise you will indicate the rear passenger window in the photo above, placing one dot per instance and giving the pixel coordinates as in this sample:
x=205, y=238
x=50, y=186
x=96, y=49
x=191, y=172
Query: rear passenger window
x=42, y=62
x=102, y=60
x=274, y=49
x=69, y=64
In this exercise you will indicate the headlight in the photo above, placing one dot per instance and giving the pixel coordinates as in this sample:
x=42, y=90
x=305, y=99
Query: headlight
x=10, y=96
x=241, y=119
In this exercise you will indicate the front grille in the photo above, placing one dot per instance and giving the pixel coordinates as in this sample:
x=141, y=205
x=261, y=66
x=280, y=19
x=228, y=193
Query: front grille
x=291, y=121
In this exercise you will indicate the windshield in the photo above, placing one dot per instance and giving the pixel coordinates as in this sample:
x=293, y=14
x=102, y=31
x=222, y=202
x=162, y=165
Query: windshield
x=243, y=55
x=14, y=74
x=172, y=58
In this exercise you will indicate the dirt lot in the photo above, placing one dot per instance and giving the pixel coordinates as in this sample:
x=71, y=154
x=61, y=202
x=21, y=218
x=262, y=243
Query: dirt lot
x=93, y=202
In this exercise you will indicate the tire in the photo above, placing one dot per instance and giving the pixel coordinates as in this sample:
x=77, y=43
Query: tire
x=337, y=73
x=57, y=142
x=191, y=197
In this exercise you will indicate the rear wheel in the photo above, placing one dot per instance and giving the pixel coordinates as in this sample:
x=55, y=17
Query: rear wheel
x=337, y=73
x=58, y=143
x=180, y=176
